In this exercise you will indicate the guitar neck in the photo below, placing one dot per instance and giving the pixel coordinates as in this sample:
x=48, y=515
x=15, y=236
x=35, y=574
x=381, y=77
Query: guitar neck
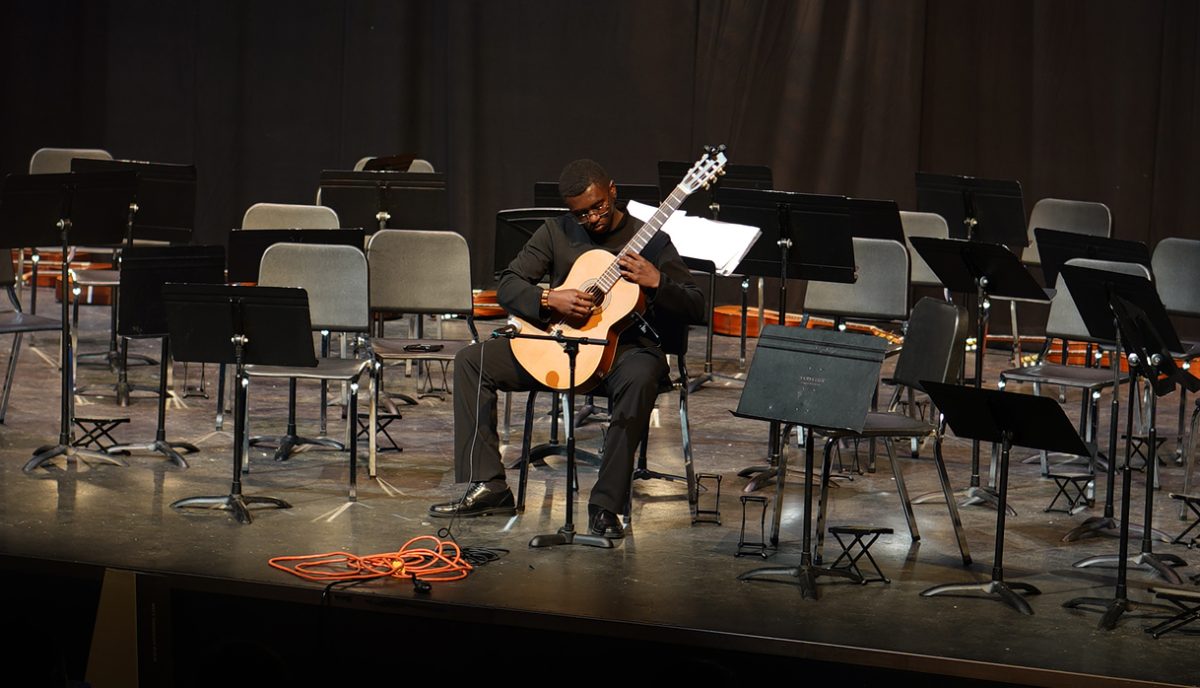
x=643, y=236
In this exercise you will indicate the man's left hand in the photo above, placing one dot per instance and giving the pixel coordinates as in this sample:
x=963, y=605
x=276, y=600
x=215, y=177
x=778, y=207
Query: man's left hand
x=640, y=271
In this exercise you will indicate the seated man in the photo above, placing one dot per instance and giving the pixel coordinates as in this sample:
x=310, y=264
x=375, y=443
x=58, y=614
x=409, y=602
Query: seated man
x=672, y=299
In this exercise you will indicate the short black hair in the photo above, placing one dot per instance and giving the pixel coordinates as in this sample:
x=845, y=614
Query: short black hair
x=577, y=176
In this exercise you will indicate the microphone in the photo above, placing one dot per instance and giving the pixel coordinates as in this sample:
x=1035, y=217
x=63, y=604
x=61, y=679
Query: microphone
x=512, y=328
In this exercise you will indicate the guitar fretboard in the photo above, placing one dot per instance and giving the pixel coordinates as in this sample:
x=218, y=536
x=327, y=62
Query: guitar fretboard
x=643, y=237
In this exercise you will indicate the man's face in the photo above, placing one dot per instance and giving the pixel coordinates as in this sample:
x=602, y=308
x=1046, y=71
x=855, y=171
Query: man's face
x=594, y=207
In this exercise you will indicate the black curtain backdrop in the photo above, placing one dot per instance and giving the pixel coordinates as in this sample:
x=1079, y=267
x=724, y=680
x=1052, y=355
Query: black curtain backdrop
x=1077, y=99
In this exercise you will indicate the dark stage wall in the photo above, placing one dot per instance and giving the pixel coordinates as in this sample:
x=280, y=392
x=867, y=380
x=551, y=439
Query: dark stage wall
x=1087, y=100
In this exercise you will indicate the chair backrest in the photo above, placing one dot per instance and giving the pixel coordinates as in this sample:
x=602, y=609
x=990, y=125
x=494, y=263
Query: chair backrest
x=881, y=292
x=417, y=165
x=58, y=160
x=423, y=166
x=415, y=271
x=335, y=278
x=1064, y=321
x=1079, y=217
x=1176, y=266
x=925, y=225
x=933, y=344
x=289, y=216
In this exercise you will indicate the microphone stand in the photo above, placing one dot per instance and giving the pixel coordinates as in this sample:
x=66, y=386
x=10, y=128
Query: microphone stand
x=566, y=535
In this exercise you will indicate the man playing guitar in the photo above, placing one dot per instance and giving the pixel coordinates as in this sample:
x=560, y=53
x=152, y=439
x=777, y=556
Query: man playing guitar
x=596, y=220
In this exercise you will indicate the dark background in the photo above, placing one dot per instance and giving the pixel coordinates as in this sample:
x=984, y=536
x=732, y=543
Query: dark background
x=1076, y=99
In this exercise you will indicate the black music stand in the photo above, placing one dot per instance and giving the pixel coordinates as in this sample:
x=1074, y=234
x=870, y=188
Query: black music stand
x=382, y=200
x=211, y=323
x=1009, y=419
x=987, y=210
x=875, y=219
x=818, y=380
x=1128, y=306
x=164, y=209
x=545, y=194
x=514, y=228
x=1055, y=249
x=974, y=267
x=702, y=203
x=804, y=236
x=72, y=208
x=141, y=313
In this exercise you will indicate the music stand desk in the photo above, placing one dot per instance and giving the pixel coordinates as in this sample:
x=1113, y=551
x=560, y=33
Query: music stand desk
x=1009, y=419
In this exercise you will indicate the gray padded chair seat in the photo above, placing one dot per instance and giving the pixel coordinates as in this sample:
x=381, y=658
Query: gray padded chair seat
x=98, y=278
x=393, y=349
x=12, y=323
x=346, y=369
x=1067, y=376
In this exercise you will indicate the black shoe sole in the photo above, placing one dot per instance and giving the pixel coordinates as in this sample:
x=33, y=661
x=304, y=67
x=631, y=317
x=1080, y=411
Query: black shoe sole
x=490, y=511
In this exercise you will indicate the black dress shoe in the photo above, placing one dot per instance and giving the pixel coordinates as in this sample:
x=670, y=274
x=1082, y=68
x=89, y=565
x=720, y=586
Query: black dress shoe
x=480, y=500
x=605, y=523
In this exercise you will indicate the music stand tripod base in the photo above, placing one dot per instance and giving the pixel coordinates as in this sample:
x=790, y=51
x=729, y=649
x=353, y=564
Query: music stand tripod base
x=567, y=536
x=238, y=503
x=45, y=455
x=1007, y=593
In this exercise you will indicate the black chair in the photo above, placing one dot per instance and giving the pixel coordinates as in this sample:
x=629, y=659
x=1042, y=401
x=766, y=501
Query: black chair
x=16, y=322
x=933, y=351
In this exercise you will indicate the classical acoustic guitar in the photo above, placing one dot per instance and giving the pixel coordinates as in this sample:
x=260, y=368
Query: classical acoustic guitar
x=597, y=273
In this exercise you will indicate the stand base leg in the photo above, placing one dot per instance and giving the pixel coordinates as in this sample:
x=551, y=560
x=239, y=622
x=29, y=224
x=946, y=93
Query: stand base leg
x=567, y=536
x=760, y=477
x=1005, y=592
x=1158, y=563
x=1112, y=609
x=48, y=453
x=1107, y=525
x=289, y=444
x=985, y=496
x=237, y=503
x=538, y=454
x=696, y=383
x=167, y=449
x=803, y=576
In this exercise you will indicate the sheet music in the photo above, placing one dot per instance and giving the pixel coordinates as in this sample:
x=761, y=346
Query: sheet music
x=724, y=243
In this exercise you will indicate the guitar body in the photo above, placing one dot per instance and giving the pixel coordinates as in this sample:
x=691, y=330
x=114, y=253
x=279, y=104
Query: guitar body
x=546, y=360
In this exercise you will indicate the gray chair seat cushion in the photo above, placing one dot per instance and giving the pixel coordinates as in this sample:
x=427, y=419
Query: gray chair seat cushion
x=1067, y=376
x=393, y=349
x=98, y=278
x=11, y=323
x=326, y=369
x=883, y=424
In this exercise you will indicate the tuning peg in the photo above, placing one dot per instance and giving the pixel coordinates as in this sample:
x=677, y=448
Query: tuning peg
x=721, y=172
x=721, y=148
x=707, y=186
x=708, y=149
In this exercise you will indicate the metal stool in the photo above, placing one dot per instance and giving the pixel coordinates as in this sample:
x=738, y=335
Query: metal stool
x=1188, y=601
x=382, y=421
x=1191, y=502
x=97, y=432
x=1072, y=486
x=858, y=548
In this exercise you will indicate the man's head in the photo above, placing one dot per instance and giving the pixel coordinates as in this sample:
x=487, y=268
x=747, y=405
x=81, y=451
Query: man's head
x=590, y=195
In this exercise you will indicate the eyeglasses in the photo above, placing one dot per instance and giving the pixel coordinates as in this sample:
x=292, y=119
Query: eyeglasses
x=596, y=212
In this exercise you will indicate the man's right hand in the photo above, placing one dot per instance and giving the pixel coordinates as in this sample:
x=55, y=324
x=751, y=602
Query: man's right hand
x=570, y=304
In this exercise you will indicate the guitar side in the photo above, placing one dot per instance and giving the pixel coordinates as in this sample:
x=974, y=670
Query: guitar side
x=548, y=363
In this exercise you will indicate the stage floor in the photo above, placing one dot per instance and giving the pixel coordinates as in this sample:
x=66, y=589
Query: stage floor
x=668, y=582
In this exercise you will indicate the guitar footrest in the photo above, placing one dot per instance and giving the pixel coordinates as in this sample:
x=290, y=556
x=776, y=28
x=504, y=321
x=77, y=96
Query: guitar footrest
x=759, y=547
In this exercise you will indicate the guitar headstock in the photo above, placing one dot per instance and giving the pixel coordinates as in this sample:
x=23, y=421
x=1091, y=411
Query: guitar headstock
x=706, y=170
